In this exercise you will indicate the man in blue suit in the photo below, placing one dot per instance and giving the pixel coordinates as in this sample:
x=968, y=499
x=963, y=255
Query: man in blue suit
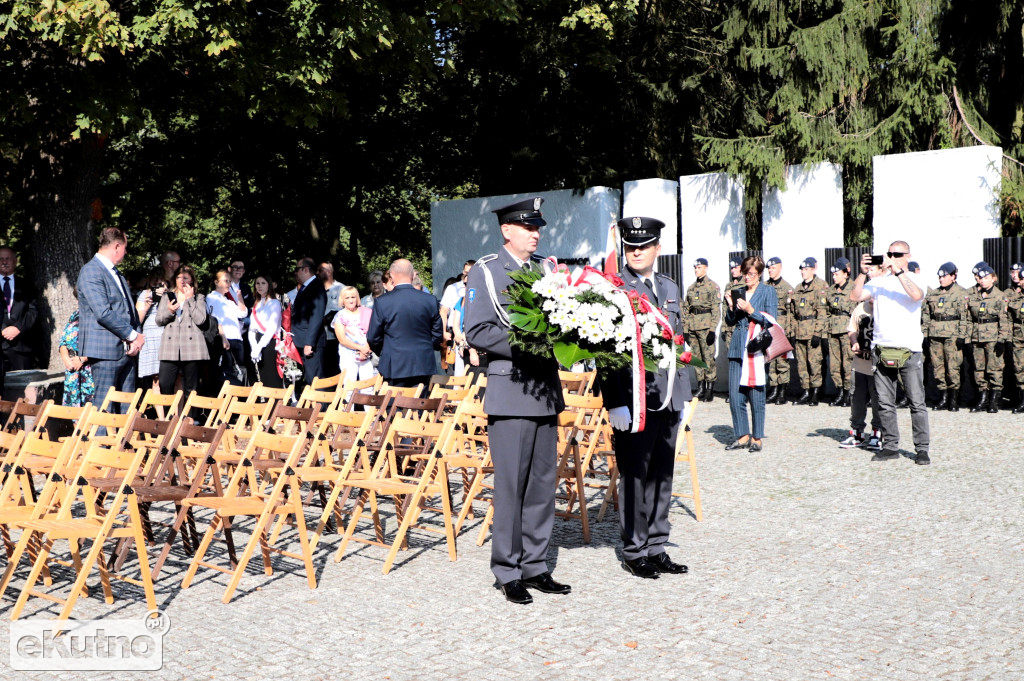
x=109, y=332
x=308, y=319
x=405, y=330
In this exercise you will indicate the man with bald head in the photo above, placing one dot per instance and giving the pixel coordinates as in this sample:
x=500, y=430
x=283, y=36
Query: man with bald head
x=405, y=330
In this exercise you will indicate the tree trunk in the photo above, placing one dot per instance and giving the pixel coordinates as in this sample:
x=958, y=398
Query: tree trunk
x=62, y=182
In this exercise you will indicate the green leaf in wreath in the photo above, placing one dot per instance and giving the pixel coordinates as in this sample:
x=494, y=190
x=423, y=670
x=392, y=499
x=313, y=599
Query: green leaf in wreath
x=527, y=319
x=568, y=354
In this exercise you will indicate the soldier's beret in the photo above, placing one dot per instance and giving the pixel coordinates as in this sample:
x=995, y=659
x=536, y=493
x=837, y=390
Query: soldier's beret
x=982, y=269
x=733, y=262
x=947, y=268
x=913, y=266
x=841, y=264
x=640, y=231
x=525, y=212
x=809, y=262
x=700, y=261
x=773, y=261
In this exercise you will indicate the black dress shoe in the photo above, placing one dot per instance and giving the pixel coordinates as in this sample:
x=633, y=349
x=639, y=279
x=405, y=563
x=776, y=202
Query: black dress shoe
x=545, y=584
x=662, y=563
x=515, y=592
x=739, y=444
x=641, y=567
x=754, y=446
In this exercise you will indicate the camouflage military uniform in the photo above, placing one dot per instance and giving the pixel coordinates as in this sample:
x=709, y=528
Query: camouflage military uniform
x=726, y=327
x=808, y=311
x=701, y=313
x=944, y=320
x=839, y=351
x=778, y=370
x=988, y=325
x=1015, y=309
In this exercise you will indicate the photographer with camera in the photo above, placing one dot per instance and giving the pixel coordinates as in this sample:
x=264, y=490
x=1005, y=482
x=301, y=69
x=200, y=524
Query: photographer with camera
x=897, y=296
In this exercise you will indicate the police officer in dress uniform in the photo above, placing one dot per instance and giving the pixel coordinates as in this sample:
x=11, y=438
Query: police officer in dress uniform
x=840, y=353
x=989, y=331
x=735, y=281
x=523, y=399
x=645, y=460
x=807, y=307
x=944, y=325
x=778, y=370
x=1015, y=308
x=702, y=312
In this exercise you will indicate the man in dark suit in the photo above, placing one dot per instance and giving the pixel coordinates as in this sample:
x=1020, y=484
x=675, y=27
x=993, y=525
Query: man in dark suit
x=405, y=330
x=109, y=332
x=18, y=316
x=523, y=399
x=308, y=319
x=646, y=459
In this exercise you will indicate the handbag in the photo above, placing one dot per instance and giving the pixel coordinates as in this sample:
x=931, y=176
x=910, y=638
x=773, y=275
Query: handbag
x=771, y=342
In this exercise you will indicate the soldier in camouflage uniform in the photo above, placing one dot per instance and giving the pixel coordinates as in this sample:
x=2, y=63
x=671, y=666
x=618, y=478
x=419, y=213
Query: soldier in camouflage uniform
x=1015, y=307
x=701, y=313
x=808, y=311
x=989, y=332
x=840, y=354
x=944, y=323
x=735, y=281
x=778, y=370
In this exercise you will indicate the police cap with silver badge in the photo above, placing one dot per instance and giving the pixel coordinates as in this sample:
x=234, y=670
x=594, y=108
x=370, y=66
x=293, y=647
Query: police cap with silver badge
x=640, y=231
x=733, y=262
x=1017, y=266
x=772, y=262
x=982, y=269
x=841, y=264
x=809, y=262
x=700, y=261
x=947, y=268
x=526, y=212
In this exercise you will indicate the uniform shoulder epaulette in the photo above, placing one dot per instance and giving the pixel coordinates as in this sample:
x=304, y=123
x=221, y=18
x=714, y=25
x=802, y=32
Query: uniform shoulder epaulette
x=487, y=258
x=664, y=276
x=536, y=258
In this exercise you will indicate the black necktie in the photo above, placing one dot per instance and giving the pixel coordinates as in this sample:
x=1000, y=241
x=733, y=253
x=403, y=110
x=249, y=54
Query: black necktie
x=7, y=293
x=654, y=292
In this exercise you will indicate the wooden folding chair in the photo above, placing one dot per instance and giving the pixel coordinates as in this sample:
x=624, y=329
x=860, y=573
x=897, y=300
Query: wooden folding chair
x=24, y=415
x=262, y=504
x=212, y=406
x=163, y=406
x=264, y=393
x=371, y=385
x=575, y=382
x=410, y=491
x=6, y=407
x=109, y=516
x=199, y=447
x=328, y=384
x=470, y=453
x=122, y=400
x=327, y=399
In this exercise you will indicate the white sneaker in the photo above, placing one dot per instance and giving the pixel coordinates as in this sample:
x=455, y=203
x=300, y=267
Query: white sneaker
x=874, y=443
x=856, y=439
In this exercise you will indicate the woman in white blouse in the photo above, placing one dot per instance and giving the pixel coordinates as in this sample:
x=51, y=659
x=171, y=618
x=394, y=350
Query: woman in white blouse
x=263, y=328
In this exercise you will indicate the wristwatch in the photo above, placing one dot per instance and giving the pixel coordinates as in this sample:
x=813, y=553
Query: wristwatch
x=900, y=272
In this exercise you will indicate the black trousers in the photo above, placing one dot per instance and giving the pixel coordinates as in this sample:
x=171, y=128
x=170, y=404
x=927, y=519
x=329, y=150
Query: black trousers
x=267, y=366
x=169, y=371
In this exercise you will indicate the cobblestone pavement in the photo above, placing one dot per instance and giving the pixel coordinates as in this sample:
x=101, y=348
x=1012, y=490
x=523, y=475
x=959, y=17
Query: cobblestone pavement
x=811, y=563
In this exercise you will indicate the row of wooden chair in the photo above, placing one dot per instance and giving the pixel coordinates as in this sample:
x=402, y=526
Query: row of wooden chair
x=254, y=455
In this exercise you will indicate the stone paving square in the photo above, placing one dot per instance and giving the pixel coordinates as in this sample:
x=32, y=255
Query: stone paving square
x=811, y=563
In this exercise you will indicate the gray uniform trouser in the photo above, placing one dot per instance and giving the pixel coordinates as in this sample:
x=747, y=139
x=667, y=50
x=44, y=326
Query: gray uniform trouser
x=645, y=461
x=524, y=453
x=912, y=374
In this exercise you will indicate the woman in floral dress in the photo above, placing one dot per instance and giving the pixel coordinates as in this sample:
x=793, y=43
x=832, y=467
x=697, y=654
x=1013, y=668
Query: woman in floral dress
x=79, y=387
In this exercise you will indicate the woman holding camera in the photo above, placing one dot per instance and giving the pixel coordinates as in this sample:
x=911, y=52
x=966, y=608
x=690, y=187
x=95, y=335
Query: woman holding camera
x=749, y=302
x=182, y=347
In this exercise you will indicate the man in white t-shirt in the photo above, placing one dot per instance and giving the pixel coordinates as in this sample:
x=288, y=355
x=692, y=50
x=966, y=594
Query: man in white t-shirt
x=897, y=297
x=452, y=294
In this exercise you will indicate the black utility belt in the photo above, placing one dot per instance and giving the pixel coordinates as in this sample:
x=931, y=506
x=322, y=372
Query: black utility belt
x=805, y=317
x=703, y=310
x=987, y=320
x=946, y=318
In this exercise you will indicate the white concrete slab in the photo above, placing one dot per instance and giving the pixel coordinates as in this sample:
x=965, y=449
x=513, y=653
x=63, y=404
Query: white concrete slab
x=943, y=203
x=655, y=198
x=578, y=224
x=803, y=219
x=712, y=222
